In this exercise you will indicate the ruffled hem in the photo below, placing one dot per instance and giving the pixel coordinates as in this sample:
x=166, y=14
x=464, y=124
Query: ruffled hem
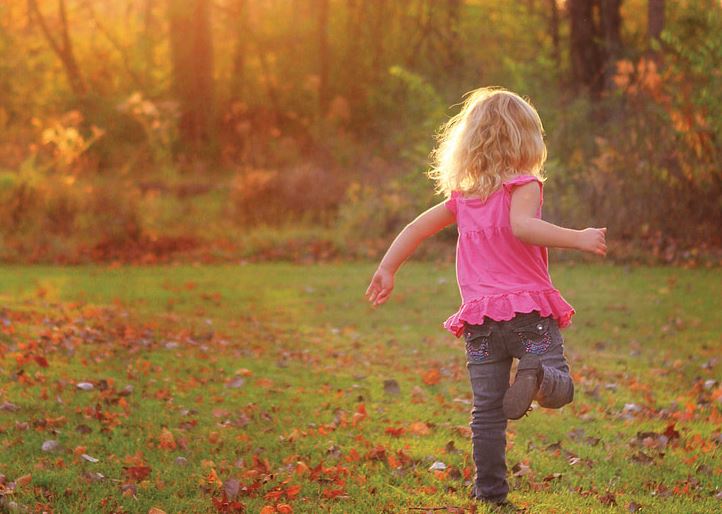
x=503, y=307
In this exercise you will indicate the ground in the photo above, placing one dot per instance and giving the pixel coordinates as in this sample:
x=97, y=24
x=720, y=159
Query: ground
x=276, y=387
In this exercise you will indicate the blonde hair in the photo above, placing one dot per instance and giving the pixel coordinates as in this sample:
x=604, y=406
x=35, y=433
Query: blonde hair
x=496, y=134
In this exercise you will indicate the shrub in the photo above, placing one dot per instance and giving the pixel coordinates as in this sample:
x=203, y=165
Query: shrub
x=304, y=192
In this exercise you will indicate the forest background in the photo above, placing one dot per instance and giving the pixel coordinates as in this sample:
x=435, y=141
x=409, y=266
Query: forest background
x=146, y=131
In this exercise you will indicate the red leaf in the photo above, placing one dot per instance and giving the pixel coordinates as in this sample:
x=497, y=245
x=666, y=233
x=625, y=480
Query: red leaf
x=333, y=493
x=137, y=472
x=671, y=433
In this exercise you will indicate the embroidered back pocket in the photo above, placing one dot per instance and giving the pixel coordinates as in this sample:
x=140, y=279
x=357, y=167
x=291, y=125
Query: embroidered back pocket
x=477, y=339
x=535, y=337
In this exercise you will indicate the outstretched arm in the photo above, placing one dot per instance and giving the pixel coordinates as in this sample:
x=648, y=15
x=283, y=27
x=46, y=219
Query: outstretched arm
x=424, y=226
x=532, y=230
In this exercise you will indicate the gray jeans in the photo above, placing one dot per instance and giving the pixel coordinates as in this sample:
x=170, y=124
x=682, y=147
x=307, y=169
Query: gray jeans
x=489, y=351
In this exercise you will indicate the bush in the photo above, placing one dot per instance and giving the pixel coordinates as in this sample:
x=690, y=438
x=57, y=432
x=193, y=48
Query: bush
x=304, y=192
x=52, y=216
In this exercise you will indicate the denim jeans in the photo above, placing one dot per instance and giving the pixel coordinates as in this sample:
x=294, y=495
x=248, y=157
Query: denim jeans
x=489, y=351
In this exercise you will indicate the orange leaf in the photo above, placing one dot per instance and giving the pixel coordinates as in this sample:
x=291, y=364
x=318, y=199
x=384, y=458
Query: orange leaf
x=333, y=493
x=292, y=491
x=393, y=461
x=264, y=383
x=273, y=495
x=359, y=415
x=212, y=478
x=301, y=468
x=167, y=440
x=284, y=508
x=267, y=509
x=23, y=480
x=419, y=428
x=395, y=431
x=353, y=455
x=431, y=377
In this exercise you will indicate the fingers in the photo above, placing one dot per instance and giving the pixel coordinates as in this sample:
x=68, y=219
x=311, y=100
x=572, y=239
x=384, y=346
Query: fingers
x=372, y=292
x=369, y=288
x=382, y=297
x=600, y=250
x=377, y=293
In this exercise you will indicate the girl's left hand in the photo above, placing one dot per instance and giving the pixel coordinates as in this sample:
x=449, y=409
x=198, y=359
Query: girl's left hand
x=380, y=287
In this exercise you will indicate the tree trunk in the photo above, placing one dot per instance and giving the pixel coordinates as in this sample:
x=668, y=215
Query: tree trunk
x=655, y=21
x=611, y=21
x=378, y=30
x=192, y=54
x=63, y=48
x=148, y=40
x=238, y=79
x=586, y=57
x=323, y=57
x=455, y=55
x=554, y=31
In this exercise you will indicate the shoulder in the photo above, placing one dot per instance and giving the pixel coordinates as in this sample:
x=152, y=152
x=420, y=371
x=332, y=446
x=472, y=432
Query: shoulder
x=522, y=180
x=525, y=190
x=450, y=202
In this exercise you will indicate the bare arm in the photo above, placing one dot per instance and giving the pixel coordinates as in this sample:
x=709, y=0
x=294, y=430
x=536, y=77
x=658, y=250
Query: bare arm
x=424, y=226
x=532, y=230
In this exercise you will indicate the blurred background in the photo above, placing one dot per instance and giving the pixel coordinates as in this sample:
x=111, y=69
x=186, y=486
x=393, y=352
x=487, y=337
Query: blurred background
x=153, y=130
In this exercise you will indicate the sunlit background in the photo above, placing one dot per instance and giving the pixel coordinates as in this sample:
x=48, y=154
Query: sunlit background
x=147, y=131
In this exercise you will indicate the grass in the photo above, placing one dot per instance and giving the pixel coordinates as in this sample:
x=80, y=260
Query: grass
x=270, y=376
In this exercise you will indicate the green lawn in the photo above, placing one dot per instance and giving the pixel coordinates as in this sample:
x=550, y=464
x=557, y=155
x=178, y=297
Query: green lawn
x=267, y=381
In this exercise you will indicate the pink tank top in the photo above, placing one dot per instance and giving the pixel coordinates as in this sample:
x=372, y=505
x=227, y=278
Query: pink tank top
x=499, y=275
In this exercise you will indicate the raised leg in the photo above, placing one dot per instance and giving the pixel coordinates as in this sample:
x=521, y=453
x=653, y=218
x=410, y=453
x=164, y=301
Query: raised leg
x=557, y=386
x=531, y=334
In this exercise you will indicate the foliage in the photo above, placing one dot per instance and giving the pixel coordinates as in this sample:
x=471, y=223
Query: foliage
x=309, y=105
x=268, y=195
x=45, y=213
x=158, y=122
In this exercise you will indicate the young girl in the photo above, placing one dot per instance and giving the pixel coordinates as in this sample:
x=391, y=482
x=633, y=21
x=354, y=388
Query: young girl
x=489, y=166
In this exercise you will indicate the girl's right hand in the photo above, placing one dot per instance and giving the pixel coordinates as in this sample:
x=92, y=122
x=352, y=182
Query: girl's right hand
x=380, y=287
x=593, y=240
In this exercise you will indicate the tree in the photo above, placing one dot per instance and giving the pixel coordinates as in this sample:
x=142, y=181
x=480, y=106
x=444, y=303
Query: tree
x=322, y=28
x=655, y=24
x=192, y=54
x=238, y=78
x=62, y=46
x=611, y=21
x=554, y=31
x=595, y=43
x=585, y=53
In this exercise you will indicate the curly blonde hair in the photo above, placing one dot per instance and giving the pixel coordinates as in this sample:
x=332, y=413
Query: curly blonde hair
x=497, y=134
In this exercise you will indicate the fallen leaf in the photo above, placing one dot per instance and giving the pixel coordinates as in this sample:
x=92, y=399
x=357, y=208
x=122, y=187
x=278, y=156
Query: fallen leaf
x=520, y=469
x=431, y=377
x=50, y=445
x=437, y=466
x=23, y=480
x=419, y=428
x=391, y=387
x=167, y=440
